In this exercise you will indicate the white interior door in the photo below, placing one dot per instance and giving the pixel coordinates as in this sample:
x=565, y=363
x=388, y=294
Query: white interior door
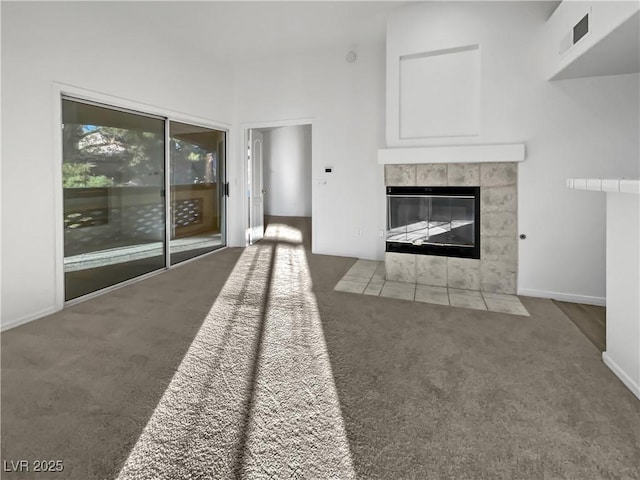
x=256, y=210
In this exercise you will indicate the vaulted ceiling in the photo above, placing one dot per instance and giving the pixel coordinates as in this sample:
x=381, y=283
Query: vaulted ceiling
x=238, y=30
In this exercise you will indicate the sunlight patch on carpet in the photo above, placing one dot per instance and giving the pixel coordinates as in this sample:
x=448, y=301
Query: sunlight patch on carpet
x=254, y=396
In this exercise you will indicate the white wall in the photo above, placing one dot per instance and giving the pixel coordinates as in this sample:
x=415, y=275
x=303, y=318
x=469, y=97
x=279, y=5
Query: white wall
x=287, y=171
x=623, y=285
x=345, y=102
x=572, y=128
x=74, y=43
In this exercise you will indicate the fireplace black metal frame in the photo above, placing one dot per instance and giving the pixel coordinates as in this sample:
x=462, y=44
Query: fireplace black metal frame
x=440, y=250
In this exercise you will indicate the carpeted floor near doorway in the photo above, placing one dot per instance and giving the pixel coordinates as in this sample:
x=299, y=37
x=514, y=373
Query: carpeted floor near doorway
x=424, y=391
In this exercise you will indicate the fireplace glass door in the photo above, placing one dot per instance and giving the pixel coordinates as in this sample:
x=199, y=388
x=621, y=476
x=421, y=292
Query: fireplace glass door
x=424, y=219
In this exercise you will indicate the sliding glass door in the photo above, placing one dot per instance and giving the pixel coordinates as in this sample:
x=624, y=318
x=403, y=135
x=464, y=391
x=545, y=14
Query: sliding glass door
x=115, y=208
x=197, y=200
x=113, y=183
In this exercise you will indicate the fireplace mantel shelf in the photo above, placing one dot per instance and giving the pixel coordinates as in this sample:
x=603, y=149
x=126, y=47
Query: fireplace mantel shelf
x=513, y=152
x=612, y=185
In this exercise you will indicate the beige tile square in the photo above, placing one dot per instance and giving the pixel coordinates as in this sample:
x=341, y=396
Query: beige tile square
x=428, y=294
x=463, y=273
x=499, y=224
x=500, y=296
x=400, y=175
x=400, y=267
x=380, y=273
x=363, y=269
x=374, y=287
x=514, y=307
x=496, y=174
x=498, y=276
x=431, y=270
x=503, y=249
x=464, y=293
x=351, y=286
x=403, y=291
x=431, y=174
x=468, y=299
x=463, y=174
x=499, y=199
x=355, y=278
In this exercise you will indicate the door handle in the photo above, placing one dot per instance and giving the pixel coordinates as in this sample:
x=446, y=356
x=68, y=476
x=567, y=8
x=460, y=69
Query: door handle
x=264, y=191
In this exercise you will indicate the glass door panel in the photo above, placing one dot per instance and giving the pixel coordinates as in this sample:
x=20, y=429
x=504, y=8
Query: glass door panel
x=113, y=190
x=197, y=161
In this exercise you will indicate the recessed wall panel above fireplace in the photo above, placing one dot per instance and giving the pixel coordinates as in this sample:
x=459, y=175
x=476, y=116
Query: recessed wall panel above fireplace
x=440, y=93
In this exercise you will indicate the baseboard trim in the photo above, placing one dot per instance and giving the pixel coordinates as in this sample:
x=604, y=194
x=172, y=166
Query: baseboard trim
x=29, y=318
x=621, y=374
x=565, y=297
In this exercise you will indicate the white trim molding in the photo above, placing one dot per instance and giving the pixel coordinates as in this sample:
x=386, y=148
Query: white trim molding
x=513, y=152
x=609, y=185
x=564, y=297
x=29, y=318
x=624, y=378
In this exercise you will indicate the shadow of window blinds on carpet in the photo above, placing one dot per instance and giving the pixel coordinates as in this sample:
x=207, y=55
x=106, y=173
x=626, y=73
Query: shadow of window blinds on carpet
x=254, y=396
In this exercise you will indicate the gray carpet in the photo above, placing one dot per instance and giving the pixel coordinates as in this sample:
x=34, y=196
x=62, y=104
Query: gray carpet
x=275, y=375
x=254, y=395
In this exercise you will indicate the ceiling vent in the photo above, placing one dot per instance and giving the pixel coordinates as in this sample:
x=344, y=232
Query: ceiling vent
x=578, y=32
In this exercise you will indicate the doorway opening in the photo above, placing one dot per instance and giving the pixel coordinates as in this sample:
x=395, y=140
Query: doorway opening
x=279, y=166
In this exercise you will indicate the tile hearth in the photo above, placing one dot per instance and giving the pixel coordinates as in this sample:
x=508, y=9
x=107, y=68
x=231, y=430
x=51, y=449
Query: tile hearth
x=368, y=277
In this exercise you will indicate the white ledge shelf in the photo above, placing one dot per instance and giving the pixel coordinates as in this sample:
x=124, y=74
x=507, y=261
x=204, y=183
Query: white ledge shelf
x=615, y=185
x=513, y=152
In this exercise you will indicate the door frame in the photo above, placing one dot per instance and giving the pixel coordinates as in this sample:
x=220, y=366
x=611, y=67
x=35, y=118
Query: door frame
x=243, y=159
x=252, y=187
x=61, y=90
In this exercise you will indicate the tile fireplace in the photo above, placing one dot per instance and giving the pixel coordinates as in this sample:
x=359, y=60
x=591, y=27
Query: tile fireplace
x=493, y=267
